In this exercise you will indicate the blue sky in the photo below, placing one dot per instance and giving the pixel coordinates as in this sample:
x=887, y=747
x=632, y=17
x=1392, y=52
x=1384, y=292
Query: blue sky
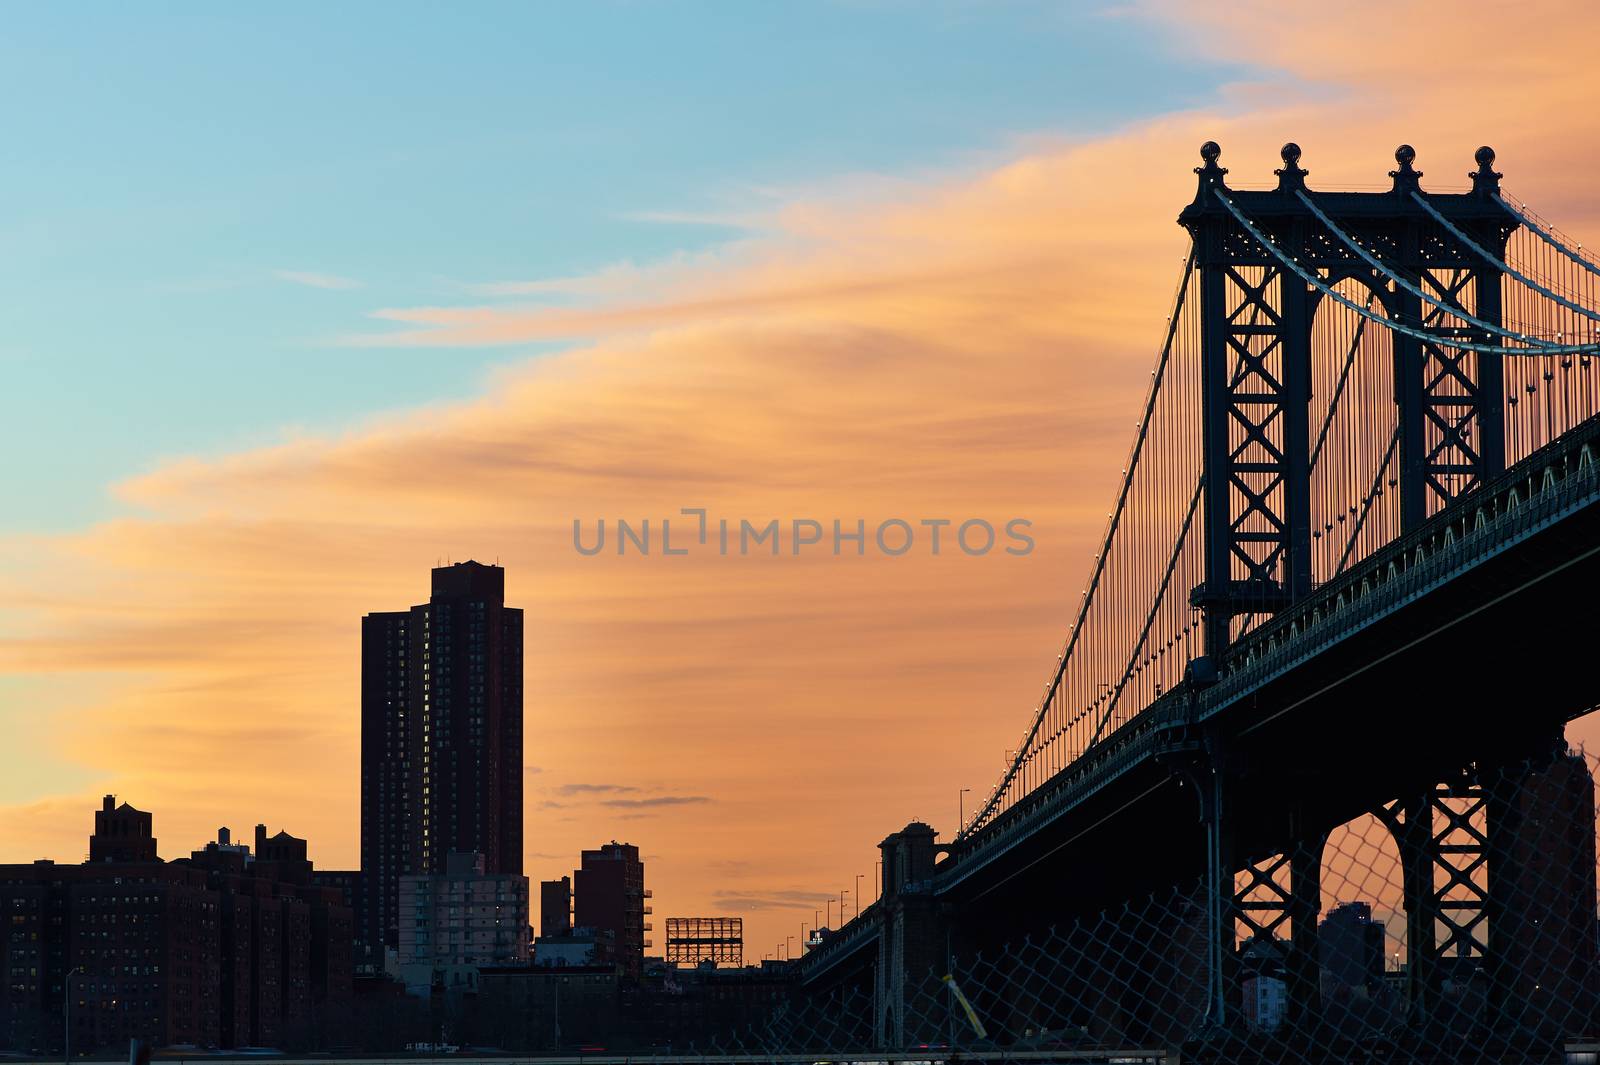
x=173, y=176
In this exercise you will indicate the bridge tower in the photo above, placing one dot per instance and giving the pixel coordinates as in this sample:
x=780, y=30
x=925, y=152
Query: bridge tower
x=1256, y=347
x=1267, y=260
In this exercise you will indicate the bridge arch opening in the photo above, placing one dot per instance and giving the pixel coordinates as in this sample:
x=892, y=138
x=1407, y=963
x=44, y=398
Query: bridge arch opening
x=1353, y=430
x=1362, y=926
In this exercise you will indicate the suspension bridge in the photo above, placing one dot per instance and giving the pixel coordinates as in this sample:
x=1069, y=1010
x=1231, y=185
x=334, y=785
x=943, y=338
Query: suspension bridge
x=1346, y=575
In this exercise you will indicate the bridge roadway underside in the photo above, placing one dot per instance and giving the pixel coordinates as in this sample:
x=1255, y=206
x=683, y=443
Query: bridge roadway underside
x=1485, y=667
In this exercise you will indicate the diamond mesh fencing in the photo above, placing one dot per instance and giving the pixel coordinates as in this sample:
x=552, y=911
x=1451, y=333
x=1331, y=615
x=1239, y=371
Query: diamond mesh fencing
x=1458, y=925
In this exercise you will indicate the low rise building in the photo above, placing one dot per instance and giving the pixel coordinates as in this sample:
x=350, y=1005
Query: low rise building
x=453, y=924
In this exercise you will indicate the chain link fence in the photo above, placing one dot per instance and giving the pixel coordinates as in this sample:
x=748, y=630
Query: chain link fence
x=1459, y=925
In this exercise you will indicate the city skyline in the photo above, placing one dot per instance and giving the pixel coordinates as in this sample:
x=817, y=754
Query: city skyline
x=957, y=300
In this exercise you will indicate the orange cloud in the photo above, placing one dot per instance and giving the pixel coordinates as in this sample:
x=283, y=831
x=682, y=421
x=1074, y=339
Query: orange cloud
x=969, y=349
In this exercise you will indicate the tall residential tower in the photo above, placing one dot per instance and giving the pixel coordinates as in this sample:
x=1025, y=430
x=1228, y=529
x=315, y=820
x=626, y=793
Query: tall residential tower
x=441, y=740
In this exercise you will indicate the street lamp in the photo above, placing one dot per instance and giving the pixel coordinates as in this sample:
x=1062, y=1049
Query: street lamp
x=841, y=906
x=791, y=948
x=961, y=809
x=66, y=1013
x=830, y=911
x=858, y=894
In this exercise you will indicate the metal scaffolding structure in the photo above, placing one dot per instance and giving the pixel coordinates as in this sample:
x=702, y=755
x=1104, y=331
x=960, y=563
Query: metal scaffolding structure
x=692, y=940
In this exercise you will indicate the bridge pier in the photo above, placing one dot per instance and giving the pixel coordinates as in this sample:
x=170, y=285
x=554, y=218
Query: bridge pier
x=1302, y=970
x=913, y=947
x=1499, y=889
x=1249, y=917
x=1221, y=902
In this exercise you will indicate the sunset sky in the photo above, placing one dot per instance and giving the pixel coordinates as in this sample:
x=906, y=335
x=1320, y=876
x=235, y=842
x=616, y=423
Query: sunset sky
x=296, y=302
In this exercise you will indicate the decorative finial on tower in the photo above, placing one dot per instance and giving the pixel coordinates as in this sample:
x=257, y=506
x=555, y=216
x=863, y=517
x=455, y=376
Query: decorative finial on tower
x=1291, y=177
x=1211, y=175
x=1407, y=178
x=1484, y=179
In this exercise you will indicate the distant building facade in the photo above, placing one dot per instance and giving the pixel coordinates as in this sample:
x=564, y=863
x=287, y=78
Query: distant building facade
x=213, y=950
x=1350, y=949
x=577, y=947
x=609, y=895
x=441, y=740
x=555, y=907
x=455, y=923
x=1265, y=995
x=122, y=834
x=551, y=1008
x=678, y=1008
x=285, y=942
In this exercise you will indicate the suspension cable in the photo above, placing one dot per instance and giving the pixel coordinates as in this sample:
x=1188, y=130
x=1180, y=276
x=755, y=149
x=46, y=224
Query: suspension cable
x=1155, y=608
x=1101, y=560
x=1391, y=324
x=1453, y=309
x=1544, y=234
x=1338, y=389
x=1366, y=505
x=1505, y=267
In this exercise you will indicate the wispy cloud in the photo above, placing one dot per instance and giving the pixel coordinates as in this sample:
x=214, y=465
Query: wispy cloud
x=782, y=899
x=655, y=801
x=316, y=280
x=593, y=789
x=624, y=279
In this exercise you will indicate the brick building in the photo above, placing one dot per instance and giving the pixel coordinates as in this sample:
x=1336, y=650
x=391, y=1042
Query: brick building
x=609, y=895
x=441, y=741
x=555, y=907
x=212, y=950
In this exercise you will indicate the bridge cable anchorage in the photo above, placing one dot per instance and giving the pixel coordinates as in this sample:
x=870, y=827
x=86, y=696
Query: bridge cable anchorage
x=1150, y=618
x=997, y=794
x=1545, y=233
x=1536, y=345
x=1504, y=267
x=1391, y=324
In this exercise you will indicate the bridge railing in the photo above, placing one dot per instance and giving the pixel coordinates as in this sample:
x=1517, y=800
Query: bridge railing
x=841, y=943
